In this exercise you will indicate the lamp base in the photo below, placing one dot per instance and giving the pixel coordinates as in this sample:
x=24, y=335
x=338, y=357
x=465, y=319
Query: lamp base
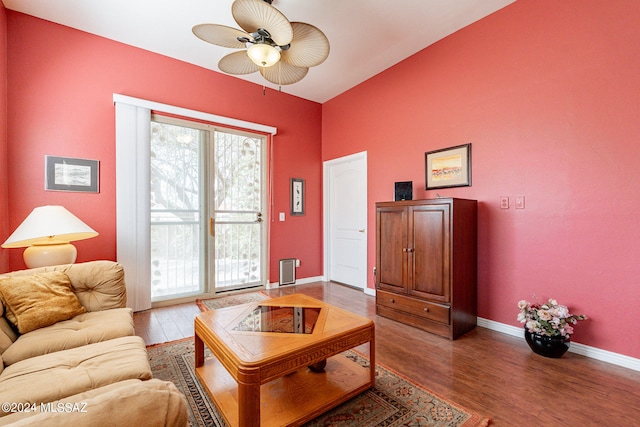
x=46, y=255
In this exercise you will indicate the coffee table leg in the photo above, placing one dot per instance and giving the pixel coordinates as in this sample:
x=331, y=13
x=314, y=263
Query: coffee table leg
x=248, y=405
x=199, y=348
x=372, y=358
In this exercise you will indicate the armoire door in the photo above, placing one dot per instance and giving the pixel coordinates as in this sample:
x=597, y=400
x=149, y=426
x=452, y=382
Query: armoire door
x=391, y=235
x=429, y=232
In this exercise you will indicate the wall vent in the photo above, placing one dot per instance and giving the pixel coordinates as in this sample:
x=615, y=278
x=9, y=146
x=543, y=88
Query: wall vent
x=288, y=271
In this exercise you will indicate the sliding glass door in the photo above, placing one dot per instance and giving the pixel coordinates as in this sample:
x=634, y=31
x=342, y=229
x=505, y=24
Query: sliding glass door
x=207, y=205
x=177, y=196
x=237, y=206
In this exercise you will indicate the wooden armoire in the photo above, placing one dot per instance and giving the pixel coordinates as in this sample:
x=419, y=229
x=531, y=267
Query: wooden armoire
x=426, y=264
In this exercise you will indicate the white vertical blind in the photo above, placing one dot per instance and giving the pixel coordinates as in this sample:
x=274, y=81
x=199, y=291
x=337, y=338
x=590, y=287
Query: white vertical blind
x=132, y=202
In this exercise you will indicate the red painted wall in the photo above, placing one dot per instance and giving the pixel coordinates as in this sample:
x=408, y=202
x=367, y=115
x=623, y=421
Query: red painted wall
x=4, y=188
x=61, y=84
x=548, y=93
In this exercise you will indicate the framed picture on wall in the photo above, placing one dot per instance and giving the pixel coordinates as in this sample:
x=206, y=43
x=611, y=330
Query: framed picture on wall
x=70, y=174
x=297, y=197
x=448, y=167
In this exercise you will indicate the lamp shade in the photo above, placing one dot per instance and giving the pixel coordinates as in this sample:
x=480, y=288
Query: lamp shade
x=49, y=225
x=263, y=55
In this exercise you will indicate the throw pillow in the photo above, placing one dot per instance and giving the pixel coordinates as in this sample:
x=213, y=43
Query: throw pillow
x=39, y=300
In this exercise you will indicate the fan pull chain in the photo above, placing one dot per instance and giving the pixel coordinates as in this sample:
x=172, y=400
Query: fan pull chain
x=279, y=76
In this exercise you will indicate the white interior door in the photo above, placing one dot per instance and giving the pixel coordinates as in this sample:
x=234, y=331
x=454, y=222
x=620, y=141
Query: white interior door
x=346, y=220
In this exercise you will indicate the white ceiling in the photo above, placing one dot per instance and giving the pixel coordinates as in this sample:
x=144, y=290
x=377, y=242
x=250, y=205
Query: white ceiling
x=366, y=36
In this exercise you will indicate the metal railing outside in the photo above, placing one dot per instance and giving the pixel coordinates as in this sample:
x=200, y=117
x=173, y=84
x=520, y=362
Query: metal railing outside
x=175, y=257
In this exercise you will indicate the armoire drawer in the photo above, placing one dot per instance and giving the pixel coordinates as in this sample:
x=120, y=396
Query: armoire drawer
x=415, y=306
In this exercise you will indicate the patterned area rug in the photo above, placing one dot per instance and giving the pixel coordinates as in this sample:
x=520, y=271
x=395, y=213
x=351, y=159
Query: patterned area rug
x=394, y=401
x=228, y=301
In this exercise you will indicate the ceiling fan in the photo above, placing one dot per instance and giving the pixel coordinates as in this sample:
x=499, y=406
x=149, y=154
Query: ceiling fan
x=281, y=50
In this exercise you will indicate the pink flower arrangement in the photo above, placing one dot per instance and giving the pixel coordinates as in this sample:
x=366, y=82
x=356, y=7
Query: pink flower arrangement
x=550, y=319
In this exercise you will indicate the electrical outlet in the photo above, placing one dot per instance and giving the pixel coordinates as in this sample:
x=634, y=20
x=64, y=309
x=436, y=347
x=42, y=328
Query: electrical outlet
x=504, y=202
x=519, y=202
x=281, y=216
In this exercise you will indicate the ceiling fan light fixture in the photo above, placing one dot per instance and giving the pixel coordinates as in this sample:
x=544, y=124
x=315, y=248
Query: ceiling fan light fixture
x=263, y=55
x=269, y=39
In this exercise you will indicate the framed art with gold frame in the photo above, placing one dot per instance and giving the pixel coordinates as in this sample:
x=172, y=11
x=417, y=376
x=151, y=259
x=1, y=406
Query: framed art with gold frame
x=448, y=167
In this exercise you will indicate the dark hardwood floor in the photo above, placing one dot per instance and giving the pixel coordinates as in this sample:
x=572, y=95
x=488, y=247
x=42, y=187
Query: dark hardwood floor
x=488, y=372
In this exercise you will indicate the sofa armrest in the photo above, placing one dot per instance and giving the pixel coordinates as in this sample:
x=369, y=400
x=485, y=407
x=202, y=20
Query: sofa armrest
x=134, y=403
x=99, y=285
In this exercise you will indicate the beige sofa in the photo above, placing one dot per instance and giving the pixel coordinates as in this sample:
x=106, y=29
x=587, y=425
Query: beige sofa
x=69, y=356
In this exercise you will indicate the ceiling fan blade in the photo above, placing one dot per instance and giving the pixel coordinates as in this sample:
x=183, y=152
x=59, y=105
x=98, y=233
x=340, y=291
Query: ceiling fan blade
x=283, y=73
x=309, y=47
x=237, y=63
x=220, y=35
x=253, y=14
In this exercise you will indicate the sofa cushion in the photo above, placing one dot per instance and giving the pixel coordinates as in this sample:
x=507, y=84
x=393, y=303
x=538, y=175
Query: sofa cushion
x=7, y=335
x=131, y=402
x=83, y=329
x=80, y=397
x=39, y=300
x=58, y=375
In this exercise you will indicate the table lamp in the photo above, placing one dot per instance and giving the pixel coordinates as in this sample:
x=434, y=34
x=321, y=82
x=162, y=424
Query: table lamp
x=46, y=234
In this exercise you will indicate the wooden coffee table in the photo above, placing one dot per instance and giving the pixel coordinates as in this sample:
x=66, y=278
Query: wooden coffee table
x=259, y=374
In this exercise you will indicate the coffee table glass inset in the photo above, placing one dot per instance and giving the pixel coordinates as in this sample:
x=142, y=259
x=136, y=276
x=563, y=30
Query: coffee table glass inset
x=281, y=319
x=258, y=375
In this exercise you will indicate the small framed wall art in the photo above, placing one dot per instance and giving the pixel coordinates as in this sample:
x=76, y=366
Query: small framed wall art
x=69, y=174
x=448, y=167
x=297, y=197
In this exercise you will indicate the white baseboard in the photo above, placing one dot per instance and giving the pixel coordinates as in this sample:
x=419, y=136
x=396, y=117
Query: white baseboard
x=308, y=280
x=584, y=350
x=304, y=281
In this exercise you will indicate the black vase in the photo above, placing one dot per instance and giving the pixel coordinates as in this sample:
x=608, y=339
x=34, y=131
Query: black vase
x=547, y=346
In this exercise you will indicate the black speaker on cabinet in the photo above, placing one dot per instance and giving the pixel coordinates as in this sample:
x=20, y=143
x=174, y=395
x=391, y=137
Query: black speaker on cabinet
x=403, y=190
